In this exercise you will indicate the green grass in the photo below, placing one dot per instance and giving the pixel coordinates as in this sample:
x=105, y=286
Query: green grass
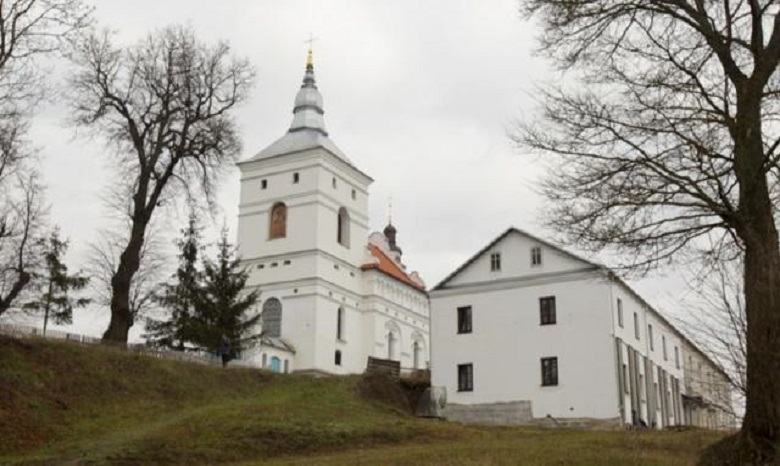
x=61, y=403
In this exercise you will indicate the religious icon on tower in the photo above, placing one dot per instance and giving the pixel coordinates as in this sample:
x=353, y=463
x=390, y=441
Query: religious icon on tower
x=278, y=221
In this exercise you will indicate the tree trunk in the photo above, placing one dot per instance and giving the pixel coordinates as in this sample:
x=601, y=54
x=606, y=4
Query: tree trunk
x=761, y=425
x=121, y=283
x=21, y=281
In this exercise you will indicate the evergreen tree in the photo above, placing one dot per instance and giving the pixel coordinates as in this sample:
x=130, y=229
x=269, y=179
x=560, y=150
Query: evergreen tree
x=55, y=303
x=178, y=297
x=222, y=305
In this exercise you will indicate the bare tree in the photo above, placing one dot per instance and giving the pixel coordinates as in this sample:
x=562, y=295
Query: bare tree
x=165, y=105
x=717, y=324
x=102, y=264
x=28, y=29
x=674, y=138
x=20, y=224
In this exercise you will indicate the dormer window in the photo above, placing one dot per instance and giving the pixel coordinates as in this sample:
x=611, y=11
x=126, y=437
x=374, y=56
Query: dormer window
x=495, y=262
x=536, y=256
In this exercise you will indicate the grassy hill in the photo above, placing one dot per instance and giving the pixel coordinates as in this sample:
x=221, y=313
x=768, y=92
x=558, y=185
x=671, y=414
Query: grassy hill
x=61, y=403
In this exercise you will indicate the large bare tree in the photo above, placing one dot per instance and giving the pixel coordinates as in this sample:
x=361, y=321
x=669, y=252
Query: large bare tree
x=666, y=133
x=164, y=105
x=29, y=29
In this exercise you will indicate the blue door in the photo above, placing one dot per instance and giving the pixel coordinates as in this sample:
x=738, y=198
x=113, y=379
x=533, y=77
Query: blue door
x=276, y=364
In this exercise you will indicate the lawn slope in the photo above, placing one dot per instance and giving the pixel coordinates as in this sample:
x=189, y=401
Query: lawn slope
x=62, y=403
x=85, y=404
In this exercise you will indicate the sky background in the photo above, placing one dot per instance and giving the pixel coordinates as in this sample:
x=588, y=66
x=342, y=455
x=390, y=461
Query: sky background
x=419, y=95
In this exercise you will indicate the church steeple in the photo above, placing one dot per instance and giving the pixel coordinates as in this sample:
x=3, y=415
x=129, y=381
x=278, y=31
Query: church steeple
x=307, y=112
x=390, y=230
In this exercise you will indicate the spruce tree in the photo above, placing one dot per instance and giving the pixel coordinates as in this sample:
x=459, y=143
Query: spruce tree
x=55, y=283
x=222, y=305
x=178, y=297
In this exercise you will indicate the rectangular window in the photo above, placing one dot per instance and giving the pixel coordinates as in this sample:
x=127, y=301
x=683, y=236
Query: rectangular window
x=354, y=194
x=465, y=377
x=676, y=357
x=663, y=343
x=337, y=358
x=333, y=182
x=464, y=319
x=296, y=177
x=636, y=326
x=549, y=372
x=650, y=337
x=547, y=310
x=495, y=262
x=340, y=324
x=536, y=256
x=263, y=184
x=620, y=312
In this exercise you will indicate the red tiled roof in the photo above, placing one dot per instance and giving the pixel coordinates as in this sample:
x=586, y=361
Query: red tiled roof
x=389, y=267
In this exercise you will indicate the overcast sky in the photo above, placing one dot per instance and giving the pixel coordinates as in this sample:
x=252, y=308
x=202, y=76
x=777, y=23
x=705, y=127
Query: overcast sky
x=419, y=95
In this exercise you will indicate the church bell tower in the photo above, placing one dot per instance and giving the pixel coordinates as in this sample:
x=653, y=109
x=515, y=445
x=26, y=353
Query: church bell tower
x=302, y=229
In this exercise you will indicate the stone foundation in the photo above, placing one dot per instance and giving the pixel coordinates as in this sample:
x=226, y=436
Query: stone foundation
x=518, y=413
x=515, y=413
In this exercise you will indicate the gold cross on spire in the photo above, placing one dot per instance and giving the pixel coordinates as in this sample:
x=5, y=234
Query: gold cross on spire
x=390, y=210
x=310, y=41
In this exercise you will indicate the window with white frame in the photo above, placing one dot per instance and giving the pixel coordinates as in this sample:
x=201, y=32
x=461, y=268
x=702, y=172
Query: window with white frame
x=536, y=256
x=495, y=262
x=547, y=314
x=340, y=324
x=663, y=344
x=636, y=326
x=465, y=377
x=650, y=336
x=549, y=371
x=464, y=319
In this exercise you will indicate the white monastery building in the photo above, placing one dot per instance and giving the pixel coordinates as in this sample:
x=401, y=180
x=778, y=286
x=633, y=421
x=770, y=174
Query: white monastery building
x=526, y=332
x=331, y=295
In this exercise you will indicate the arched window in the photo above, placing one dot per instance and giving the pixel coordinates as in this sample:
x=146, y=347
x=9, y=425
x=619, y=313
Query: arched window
x=272, y=318
x=342, y=229
x=340, y=324
x=277, y=225
x=393, y=340
x=418, y=350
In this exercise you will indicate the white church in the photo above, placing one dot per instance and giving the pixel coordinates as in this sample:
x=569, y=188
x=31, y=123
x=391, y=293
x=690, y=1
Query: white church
x=331, y=294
